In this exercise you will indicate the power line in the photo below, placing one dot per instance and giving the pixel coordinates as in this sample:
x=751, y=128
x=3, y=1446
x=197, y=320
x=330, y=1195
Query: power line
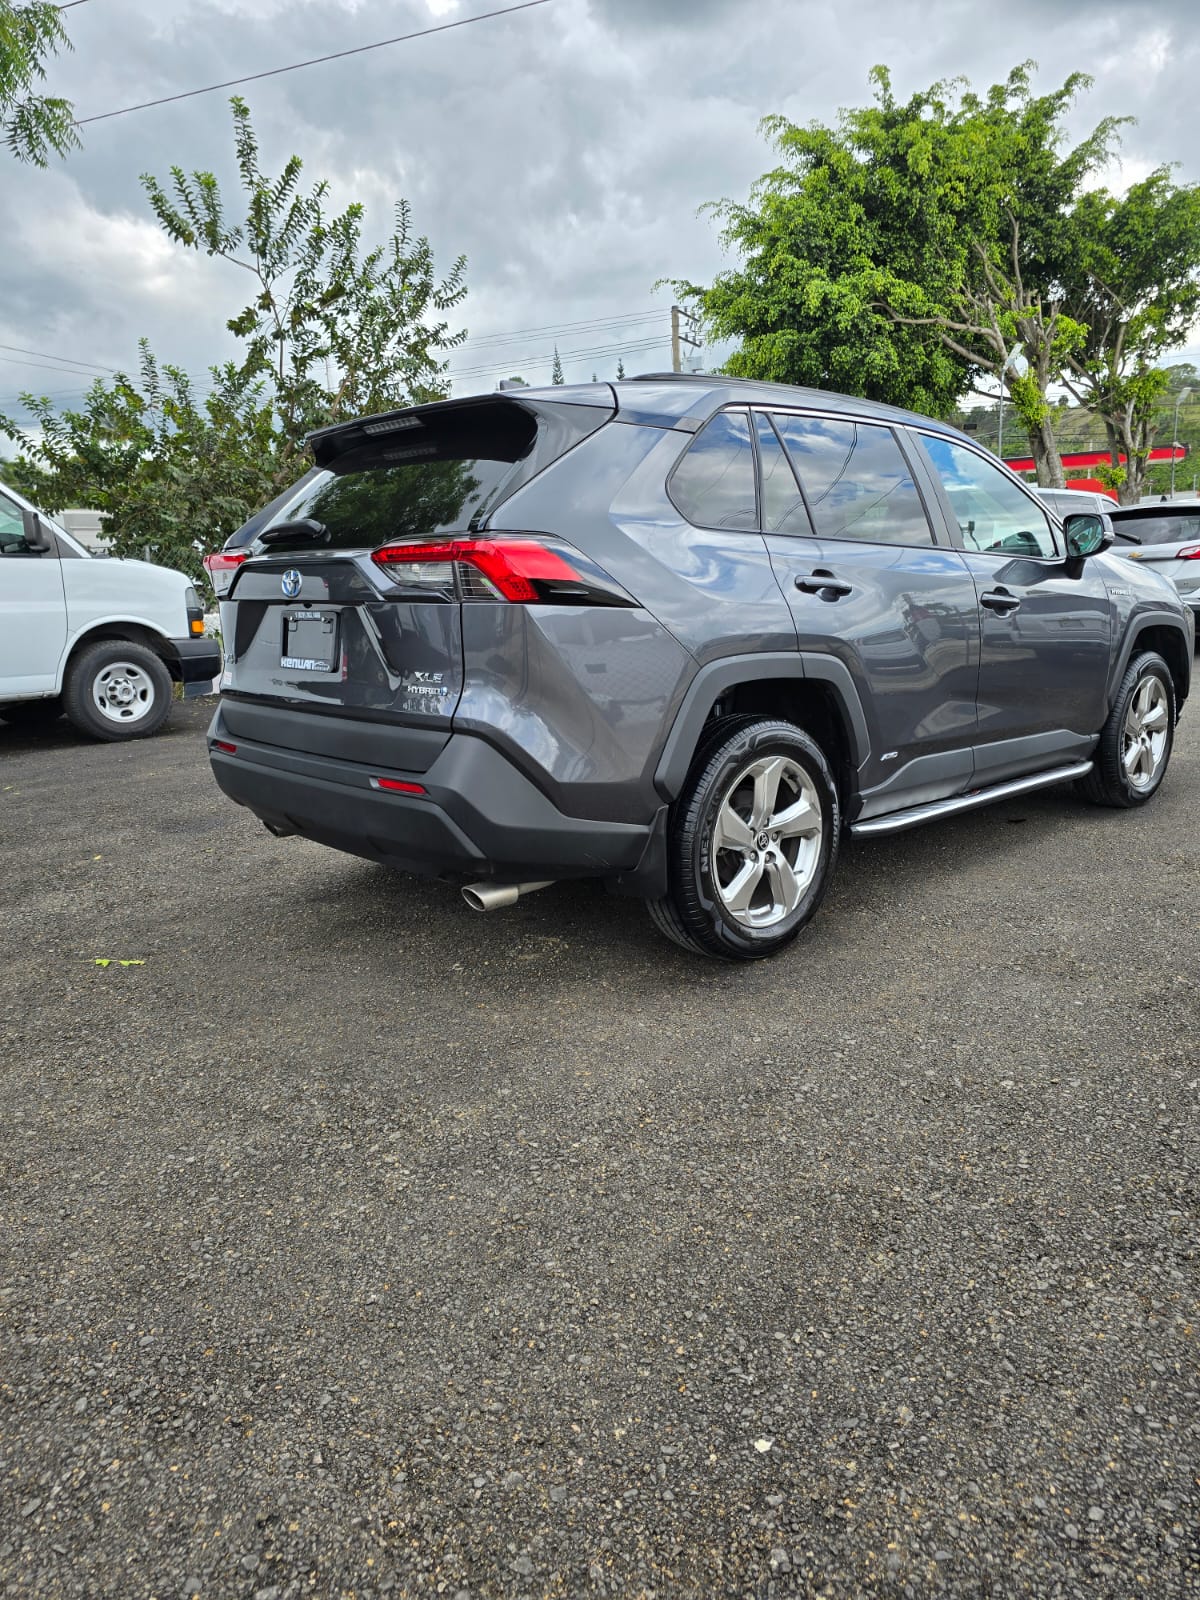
x=45, y=354
x=316, y=61
x=65, y=372
x=587, y=325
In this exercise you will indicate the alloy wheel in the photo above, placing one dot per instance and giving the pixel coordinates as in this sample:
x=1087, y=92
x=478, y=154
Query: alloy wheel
x=1145, y=732
x=766, y=841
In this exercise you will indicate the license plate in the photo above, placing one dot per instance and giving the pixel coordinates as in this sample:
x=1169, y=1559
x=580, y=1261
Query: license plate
x=309, y=641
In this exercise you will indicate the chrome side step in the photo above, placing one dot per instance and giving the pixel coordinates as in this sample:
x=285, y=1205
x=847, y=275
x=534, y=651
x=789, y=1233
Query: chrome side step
x=897, y=821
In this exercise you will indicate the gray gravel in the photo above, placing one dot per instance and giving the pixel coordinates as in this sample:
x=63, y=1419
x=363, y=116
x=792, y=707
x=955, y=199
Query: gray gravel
x=355, y=1244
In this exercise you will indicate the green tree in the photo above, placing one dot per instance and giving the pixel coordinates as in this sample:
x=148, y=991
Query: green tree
x=34, y=126
x=164, y=466
x=1136, y=289
x=620, y=369
x=556, y=371
x=334, y=330
x=907, y=250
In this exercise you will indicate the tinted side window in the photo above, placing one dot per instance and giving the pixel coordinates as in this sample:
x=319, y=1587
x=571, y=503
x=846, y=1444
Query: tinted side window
x=713, y=486
x=857, y=480
x=994, y=514
x=783, y=505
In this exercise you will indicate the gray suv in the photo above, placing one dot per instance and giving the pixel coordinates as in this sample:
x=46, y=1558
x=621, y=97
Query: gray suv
x=678, y=634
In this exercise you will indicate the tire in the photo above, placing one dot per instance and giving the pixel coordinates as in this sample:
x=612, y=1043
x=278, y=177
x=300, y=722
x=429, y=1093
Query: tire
x=117, y=690
x=1142, y=720
x=33, y=714
x=751, y=897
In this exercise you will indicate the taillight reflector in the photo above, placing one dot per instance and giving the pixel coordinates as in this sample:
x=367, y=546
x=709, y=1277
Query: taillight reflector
x=397, y=786
x=1192, y=553
x=221, y=566
x=511, y=566
x=221, y=744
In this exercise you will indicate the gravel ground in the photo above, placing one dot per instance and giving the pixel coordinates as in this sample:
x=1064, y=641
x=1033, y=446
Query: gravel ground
x=355, y=1244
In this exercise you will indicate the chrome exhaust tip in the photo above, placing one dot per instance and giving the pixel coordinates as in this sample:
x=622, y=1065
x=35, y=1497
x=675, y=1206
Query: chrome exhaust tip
x=494, y=896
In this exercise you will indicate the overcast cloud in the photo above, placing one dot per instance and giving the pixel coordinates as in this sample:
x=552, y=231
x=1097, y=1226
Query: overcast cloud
x=564, y=150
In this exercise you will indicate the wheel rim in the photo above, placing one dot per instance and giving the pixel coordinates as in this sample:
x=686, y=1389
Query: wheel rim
x=123, y=692
x=766, y=841
x=1144, y=736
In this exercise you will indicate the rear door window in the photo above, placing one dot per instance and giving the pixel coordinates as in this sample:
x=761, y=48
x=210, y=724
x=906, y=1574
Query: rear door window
x=783, y=507
x=856, y=480
x=713, y=486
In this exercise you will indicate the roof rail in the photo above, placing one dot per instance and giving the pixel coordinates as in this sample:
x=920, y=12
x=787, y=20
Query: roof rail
x=685, y=377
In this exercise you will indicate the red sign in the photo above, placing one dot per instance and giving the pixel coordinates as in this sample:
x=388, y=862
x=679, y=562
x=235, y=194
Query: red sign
x=1100, y=458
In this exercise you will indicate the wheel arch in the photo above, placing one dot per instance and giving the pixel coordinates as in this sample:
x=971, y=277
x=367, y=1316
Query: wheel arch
x=1161, y=632
x=814, y=691
x=127, y=632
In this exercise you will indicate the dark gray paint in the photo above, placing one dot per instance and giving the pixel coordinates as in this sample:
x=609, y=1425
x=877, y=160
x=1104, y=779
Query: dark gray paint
x=590, y=715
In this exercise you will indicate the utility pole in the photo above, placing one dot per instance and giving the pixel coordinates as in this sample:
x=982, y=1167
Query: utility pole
x=684, y=331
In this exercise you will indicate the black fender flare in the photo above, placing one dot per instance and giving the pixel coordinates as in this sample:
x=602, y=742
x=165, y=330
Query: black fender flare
x=1138, y=624
x=713, y=680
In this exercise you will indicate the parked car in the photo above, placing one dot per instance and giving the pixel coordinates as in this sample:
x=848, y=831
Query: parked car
x=1070, y=502
x=98, y=638
x=1163, y=536
x=676, y=634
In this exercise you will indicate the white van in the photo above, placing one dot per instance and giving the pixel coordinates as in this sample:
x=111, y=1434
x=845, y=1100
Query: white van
x=97, y=638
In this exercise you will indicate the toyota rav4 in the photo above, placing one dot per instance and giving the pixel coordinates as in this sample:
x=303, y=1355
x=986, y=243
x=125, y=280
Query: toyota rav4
x=678, y=634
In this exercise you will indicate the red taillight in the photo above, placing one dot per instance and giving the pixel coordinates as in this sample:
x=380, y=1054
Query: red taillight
x=396, y=785
x=221, y=566
x=511, y=566
x=229, y=749
x=1192, y=553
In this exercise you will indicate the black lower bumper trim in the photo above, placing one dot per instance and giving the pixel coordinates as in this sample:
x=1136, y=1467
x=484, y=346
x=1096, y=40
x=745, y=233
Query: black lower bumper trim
x=479, y=818
x=196, y=660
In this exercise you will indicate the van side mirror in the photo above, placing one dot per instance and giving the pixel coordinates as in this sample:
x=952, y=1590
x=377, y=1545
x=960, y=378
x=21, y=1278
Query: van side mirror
x=38, y=536
x=1089, y=533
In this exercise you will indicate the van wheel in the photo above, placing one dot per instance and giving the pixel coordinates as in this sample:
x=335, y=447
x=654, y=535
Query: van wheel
x=753, y=844
x=33, y=713
x=117, y=690
x=1135, y=742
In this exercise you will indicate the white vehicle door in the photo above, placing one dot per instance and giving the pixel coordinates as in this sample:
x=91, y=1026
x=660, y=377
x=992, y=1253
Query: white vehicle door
x=33, y=610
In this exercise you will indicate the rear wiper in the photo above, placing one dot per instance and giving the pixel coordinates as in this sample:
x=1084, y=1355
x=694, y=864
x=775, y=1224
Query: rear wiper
x=305, y=530
x=1132, y=537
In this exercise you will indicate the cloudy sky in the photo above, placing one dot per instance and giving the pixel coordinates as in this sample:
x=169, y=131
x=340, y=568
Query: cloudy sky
x=565, y=150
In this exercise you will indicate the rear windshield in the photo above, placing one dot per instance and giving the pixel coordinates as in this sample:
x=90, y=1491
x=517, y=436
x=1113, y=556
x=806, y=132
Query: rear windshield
x=445, y=472
x=1157, y=527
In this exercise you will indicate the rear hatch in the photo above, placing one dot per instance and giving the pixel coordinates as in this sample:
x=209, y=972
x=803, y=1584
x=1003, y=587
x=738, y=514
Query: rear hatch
x=1163, y=537
x=350, y=604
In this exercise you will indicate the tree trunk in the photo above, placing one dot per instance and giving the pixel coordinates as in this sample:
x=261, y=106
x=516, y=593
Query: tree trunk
x=1046, y=458
x=1121, y=443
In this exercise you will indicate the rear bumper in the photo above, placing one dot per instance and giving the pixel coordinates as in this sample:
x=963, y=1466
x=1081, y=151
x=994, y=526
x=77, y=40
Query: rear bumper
x=478, y=818
x=196, y=660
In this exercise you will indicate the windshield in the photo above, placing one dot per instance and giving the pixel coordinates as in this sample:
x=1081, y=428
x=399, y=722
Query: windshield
x=1159, y=527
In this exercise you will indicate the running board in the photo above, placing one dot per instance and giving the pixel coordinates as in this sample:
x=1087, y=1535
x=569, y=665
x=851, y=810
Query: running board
x=897, y=821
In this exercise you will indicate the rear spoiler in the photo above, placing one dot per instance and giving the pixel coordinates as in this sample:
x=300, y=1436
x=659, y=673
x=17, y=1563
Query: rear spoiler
x=410, y=423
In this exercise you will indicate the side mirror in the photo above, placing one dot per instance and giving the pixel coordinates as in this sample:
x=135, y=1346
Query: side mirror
x=37, y=535
x=1089, y=533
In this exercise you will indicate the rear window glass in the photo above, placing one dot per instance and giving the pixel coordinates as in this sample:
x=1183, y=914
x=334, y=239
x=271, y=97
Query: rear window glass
x=857, y=480
x=1158, y=528
x=445, y=473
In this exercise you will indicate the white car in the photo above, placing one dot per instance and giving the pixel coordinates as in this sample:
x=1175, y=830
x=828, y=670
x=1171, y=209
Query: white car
x=98, y=638
x=1066, y=502
x=1164, y=536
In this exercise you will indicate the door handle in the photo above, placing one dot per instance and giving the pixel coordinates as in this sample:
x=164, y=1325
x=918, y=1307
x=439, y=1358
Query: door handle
x=824, y=584
x=1000, y=600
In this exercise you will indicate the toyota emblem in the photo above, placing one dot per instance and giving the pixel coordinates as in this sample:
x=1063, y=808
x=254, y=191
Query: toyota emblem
x=291, y=583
